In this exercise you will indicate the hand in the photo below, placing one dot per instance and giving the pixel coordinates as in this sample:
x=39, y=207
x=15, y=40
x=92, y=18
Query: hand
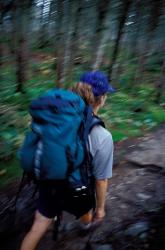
x=98, y=217
x=99, y=214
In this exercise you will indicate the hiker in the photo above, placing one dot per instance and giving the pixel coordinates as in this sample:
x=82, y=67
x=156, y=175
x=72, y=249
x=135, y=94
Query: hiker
x=92, y=87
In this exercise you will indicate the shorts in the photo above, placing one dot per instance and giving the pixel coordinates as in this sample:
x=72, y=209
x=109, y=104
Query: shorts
x=55, y=197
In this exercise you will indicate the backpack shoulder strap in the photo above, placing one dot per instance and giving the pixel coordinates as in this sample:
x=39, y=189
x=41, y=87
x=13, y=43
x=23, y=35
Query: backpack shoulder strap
x=96, y=121
x=88, y=113
x=91, y=121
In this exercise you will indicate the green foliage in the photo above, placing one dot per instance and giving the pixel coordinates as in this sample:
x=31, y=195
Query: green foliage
x=127, y=77
x=129, y=115
x=118, y=135
x=13, y=125
x=157, y=114
x=145, y=93
x=154, y=62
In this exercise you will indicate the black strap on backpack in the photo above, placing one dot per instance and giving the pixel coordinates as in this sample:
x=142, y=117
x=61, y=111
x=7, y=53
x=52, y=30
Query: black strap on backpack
x=91, y=121
x=96, y=121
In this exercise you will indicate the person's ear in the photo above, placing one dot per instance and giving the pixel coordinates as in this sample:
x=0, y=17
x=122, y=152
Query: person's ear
x=102, y=99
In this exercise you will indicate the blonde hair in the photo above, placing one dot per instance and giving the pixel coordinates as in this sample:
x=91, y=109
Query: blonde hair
x=85, y=91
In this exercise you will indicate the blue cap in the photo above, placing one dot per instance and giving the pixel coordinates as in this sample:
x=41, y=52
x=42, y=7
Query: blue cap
x=99, y=82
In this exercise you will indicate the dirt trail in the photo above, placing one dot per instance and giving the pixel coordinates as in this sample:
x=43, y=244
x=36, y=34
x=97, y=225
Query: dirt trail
x=135, y=205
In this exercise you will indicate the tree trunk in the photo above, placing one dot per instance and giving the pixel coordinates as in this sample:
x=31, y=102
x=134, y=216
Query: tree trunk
x=153, y=19
x=1, y=55
x=1, y=34
x=72, y=44
x=21, y=50
x=59, y=49
x=21, y=71
x=122, y=20
x=100, y=37
x=13, y=40
x=52, y=22
x=43, y=31
x=55, y=26
x=137, y=26
x=160, y=85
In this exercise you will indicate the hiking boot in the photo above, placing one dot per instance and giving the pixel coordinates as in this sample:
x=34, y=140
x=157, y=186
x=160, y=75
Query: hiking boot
x=78, y=225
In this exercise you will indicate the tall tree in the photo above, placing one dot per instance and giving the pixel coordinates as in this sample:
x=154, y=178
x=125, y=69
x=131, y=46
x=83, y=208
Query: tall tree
x=160, y=83
x=22, y=14
x=122, y=19
x=73, y=38
x=99, y=37
x=5, y=8
x=59, y=49
x=136, y=27
x=155, y=11
x=44, y=24
x=52, y=22
x=1, y=33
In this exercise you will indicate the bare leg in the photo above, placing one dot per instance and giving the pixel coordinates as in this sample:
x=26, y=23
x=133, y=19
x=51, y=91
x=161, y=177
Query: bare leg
x=38, y=229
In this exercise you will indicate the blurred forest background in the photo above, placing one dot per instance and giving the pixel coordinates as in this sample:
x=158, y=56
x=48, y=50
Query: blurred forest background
x=49, y=43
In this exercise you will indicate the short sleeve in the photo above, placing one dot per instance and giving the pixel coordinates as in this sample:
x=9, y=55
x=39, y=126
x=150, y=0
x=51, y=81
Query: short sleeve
x=103, y=159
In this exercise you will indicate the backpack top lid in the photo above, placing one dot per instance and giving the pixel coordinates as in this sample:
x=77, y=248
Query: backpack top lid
x=45, y=108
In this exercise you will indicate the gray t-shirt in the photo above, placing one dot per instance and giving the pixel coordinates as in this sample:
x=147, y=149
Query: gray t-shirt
x=101, y=148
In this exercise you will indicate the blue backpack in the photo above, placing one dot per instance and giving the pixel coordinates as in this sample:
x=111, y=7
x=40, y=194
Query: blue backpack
x=55, y=148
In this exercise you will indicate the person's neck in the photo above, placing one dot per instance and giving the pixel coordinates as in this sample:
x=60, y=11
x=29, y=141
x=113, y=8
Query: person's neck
x=95, y=110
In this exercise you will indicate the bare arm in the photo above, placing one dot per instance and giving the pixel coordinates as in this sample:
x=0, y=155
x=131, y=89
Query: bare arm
x=101, y=189
x=102, y=166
